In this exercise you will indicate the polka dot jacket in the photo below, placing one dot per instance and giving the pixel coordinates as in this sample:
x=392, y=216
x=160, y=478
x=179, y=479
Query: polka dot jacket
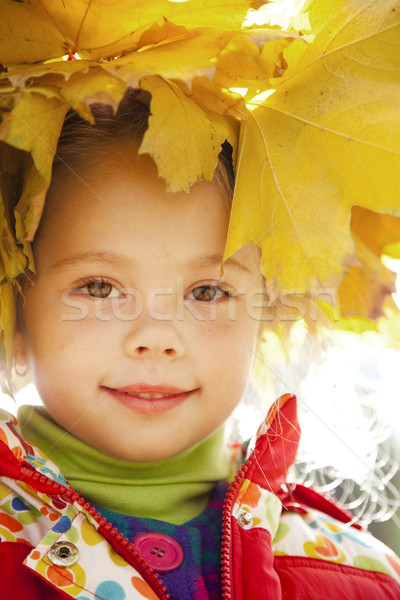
x=279, y=540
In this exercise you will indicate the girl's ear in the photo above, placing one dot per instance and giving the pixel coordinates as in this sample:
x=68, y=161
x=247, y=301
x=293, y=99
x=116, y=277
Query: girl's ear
x=20, y=354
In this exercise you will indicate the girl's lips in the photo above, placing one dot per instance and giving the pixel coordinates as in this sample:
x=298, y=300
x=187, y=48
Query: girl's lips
x=149, y=400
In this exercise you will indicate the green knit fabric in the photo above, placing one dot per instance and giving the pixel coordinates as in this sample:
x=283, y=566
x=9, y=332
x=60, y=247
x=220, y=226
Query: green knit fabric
x=175, y=490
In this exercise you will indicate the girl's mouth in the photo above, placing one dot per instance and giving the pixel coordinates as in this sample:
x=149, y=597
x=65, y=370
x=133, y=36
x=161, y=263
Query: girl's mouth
x=149, y=400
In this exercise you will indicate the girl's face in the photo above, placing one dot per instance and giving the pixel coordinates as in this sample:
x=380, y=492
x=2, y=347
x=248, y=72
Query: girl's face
x=138, y=346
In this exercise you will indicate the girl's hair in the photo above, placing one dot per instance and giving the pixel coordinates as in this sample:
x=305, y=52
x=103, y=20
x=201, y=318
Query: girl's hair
x=80, y=139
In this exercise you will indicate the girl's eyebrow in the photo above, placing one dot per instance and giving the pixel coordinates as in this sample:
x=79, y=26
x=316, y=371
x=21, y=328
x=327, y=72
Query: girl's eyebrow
x=210, y=260
x=118, y=261
x=110, y=259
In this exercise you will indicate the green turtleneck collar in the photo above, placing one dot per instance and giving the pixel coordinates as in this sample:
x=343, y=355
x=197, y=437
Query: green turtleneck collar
x=175, y=490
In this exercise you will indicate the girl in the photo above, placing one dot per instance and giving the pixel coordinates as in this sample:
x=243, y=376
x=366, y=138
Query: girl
x=140, y=343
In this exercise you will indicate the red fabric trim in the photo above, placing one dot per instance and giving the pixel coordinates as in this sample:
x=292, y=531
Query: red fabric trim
x=277, y=448
x=18, y=581
x=306, y=496
x=9, y=465
x=316, y=579
x=20, y=470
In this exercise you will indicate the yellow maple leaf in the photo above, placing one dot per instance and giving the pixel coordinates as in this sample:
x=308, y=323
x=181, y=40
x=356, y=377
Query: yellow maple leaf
x=252, y=58
x=363, y=291
x=29, y=208
x=193, y=54
x=375, y=230
x=12, y=259
x=181, y=132
x=97, y=86
x=393, y=250
x=366, y=287
x=7, y=320
x=22, y=76
x=41, y=29
x=326, y=138
x=215, y=98
x=33, y=124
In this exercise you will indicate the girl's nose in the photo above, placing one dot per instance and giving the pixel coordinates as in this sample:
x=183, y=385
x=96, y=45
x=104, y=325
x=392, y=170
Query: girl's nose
x=161, y=340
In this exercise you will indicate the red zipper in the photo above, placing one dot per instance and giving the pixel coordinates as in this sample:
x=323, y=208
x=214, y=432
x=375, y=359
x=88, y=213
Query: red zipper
x=42, y=483
x=226, y=568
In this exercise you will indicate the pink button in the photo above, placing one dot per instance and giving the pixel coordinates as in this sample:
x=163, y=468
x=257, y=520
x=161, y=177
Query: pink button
x=161, y=551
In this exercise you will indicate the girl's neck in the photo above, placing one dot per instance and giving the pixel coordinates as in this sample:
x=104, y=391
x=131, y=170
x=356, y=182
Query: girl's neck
x=142, y=489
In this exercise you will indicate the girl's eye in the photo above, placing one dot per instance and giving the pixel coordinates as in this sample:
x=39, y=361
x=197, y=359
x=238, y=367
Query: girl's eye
x=207, y=293
x=100, y=289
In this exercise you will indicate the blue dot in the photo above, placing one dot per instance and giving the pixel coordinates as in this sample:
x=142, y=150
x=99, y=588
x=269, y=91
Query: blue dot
x=110, y=590
x=62, y=525
x=17, y=504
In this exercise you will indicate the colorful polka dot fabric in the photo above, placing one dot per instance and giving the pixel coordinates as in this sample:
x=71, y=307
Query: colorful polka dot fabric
x=96, y=570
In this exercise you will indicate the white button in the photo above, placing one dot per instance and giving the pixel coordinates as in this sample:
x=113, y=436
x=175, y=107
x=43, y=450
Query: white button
x=63, y=554
x=244, y=519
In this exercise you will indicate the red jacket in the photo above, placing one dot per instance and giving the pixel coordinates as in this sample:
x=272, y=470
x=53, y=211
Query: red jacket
x=280, y=541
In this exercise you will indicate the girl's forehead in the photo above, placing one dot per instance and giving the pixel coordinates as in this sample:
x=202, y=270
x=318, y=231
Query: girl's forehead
x=127, y=181
x=124, y=203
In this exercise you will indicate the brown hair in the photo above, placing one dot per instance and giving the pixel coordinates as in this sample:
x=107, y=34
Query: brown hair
x=80, y=139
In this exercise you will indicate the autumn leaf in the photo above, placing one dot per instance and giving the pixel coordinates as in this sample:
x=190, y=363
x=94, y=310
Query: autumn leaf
x=252, y=58
x=180, y=59
x=374, y=230
x=42, y=29
x=180, y=132
x=29, y=208
x=216, y=99
x=367, y=287
x=383, y=233
x=12, y=259
x=364, y=291
x=206, y=63
x=325, y=138
x=81, y=91
x=7, y=322
x=34, y=124
x=22, y=76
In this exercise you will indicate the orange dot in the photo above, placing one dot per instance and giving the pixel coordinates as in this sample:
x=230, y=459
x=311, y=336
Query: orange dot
x=35, y=555
x=143, y=588
x=53, y=517
x=10, y=523
x=44, y=510
x=17, y=452
x=60, y=576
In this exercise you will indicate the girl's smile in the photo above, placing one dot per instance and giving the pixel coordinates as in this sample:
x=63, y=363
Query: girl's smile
x=149, y=399
x=129, y=300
